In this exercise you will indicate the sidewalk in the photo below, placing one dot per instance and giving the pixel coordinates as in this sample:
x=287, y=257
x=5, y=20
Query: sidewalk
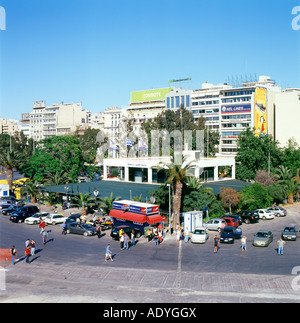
x=106, y=283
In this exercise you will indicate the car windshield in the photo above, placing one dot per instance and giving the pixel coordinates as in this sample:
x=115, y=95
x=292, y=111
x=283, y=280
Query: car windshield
x=289, y=230
x=262, y=234
x=227, y=231
x=199, y=232
x=267, y=211
x=86, y=226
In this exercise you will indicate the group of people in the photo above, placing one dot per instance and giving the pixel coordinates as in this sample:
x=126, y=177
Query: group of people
x=125, y=239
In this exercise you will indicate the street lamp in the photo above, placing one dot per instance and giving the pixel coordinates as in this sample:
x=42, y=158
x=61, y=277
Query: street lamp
x=96, y=192
x=169, y=185
x=66, y=189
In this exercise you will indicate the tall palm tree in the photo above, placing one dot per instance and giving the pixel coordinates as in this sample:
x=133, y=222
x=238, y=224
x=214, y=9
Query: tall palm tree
x=176, y=177
x=32, y=189
x=84, y=201
x=58, y=178
x=106, y=203
x=10, y=160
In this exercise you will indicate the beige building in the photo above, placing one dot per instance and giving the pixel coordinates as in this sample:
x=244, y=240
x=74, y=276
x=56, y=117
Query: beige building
x=285, y=115
x=56, y=120
x=10, y=127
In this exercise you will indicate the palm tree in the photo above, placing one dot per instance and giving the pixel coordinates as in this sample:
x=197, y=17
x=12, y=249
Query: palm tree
x=84, y=201
x=106, y=203
x=292, y=188
x=32, y=189
x=283, y=173
x=58, y=178
x=177, y=176
x=10, y=161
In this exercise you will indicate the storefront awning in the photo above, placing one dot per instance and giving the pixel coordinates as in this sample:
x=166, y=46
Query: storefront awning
x=134, y=217
x=157, y=218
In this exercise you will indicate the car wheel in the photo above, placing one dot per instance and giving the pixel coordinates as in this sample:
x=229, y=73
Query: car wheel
x=263, y=217
x=247, y=221
x=85, y=234
x=68, y=231
x=53, y=223
x=34, y=222
x=138, y=235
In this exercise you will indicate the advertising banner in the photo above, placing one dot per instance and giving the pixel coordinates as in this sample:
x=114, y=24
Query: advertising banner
x=135, y=207
x=260, y=112
x=150, y=95
x=236, y=108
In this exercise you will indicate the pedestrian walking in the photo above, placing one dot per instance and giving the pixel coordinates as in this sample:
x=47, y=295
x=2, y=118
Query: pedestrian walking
x=98, y=230
x=64, y=228
x=156, y=239
x=133, y=237
x=108, y=253
x=243, y=241
x=27, y=243
x=42, y=226
x=126, y=241
x=178, y=234
x=13, y=254
x=32, y=248
x=122, y=238
x=280, y=244
x=216, y=244
x=45, y=236
x=187, y=235
x=27, y=254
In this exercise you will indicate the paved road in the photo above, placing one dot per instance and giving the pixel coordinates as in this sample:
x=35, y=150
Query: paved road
x=72, y=269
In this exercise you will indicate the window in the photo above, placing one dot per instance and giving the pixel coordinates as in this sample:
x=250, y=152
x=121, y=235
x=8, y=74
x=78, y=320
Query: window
x=168, y=103
x=177, y=102
x=187, y=101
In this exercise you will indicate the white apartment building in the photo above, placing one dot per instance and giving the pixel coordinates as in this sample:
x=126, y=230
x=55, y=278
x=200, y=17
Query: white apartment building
x=9, y=127
x=56, y=120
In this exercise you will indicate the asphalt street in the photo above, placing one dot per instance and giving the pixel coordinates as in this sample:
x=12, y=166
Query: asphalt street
x=71, y=268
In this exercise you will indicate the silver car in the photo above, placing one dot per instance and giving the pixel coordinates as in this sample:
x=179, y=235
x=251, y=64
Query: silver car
x=215, y=224
x=200, y=235
x=262, y=238
x=278, y=211
x=289, y=233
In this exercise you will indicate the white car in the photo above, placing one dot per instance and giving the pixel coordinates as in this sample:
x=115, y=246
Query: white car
x=200, y=235
x=55, y=219
x=215, y=224
x=265, y=214
x=35, y=219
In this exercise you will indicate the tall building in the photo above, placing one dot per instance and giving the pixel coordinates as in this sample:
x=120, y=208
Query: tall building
x=56, y=120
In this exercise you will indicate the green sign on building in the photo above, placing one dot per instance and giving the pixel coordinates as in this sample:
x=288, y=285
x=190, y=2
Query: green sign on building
x=150, y=95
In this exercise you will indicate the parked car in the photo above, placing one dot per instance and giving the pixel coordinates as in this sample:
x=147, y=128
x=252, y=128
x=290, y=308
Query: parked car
x=265, y=214
x=200, y=235
x=55, y=219
x=36, y=218
x=234, y=216
x=262, y=238
x=249, y=216
x=23, y=213
x=289, y=233
x=127, y=229
x=80, y=228
x=234, y=222
x=229, y=234
x=10, y=209
x=215, y=224
x=278, y=211
x=7, y=202
x=74, y=218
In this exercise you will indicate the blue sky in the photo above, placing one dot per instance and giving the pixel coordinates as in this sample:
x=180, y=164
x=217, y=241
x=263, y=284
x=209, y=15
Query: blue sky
x=98, y=51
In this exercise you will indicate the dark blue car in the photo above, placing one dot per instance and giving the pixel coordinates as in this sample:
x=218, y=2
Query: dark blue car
x=229, y=234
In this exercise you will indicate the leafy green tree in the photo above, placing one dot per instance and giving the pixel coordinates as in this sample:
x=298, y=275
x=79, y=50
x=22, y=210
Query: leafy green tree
x=55, y=154
x=255, y=197
x=254, y=153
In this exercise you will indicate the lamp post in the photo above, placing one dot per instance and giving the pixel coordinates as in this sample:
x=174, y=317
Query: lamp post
x=169, y=185
x=66, y=189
